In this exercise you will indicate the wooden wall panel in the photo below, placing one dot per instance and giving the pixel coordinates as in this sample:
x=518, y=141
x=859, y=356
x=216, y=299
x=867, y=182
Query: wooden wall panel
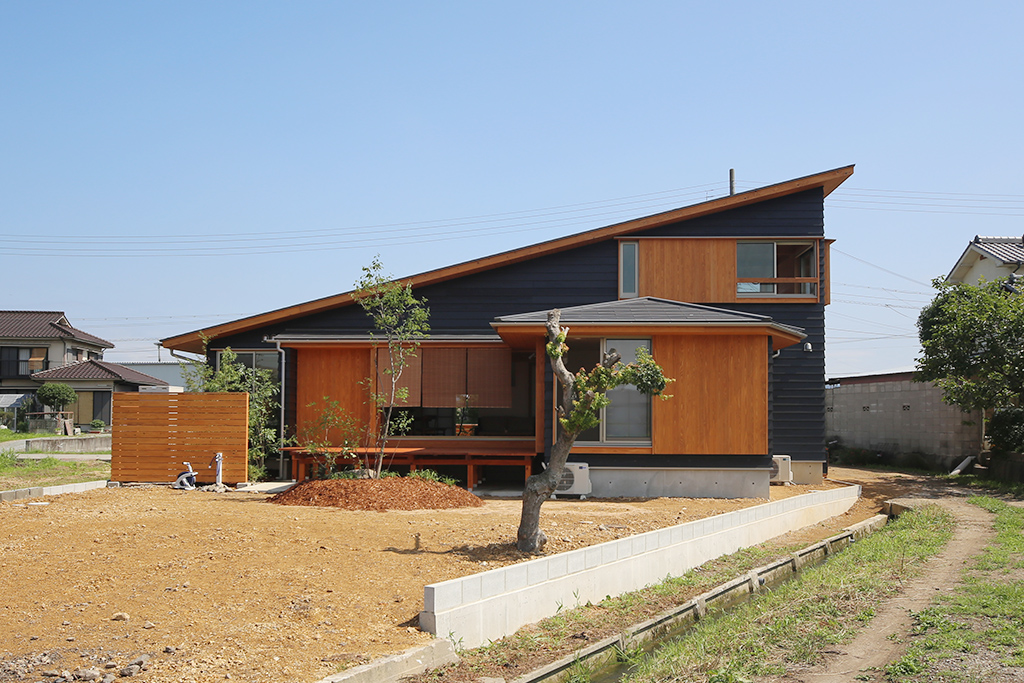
x=719, y=403
x=693, y=270
x=155, y=434
x=336, y=374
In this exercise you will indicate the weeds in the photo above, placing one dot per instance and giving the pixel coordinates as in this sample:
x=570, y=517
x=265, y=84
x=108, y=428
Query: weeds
x=798, y=620
x=983, y=616
x=431, y=475
x=18, y=473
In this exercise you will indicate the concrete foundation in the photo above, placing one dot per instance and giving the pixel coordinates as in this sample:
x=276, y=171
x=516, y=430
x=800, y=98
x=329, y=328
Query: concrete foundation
x=475, y=609
x=678, y=482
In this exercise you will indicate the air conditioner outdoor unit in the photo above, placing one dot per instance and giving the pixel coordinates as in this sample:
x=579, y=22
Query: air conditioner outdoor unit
x=782, y=470
x=575, y=480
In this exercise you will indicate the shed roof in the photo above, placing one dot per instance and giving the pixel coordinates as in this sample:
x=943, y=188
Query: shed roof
x=827, y=181
x=40, y=325
x=97, y=369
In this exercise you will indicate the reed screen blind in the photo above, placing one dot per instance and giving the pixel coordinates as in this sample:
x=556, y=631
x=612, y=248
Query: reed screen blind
x=444, y=377
x=409, y=379
x=489, y=378
x=450, y=374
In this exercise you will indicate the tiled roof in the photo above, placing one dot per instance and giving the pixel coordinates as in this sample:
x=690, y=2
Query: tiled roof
x=97, y=369
x=1005, y=249
x=44, y=325
x=643, y=310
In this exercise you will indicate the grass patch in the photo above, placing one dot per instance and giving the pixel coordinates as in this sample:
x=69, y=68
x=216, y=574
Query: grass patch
x=8, y=435
x=976, y=632
x=20, y=473
x=826, y=605
x=973, y=481
x=578, y=625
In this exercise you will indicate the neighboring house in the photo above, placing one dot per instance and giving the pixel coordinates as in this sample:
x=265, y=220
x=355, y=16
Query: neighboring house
x=728, y=295
x=168, y=372
x=35, y=341
x=891, y=413
x=990, y=258
x=42, y=346
x=95, y=382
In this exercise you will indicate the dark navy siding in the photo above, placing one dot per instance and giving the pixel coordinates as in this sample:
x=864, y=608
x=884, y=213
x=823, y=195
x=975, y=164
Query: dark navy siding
x=589, y=274
x=796, y=215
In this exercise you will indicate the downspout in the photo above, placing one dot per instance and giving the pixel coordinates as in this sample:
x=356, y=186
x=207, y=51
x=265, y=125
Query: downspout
x=280, y=351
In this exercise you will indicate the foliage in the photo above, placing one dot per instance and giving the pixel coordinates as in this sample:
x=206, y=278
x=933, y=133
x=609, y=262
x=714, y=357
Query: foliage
x=400, y=320
x=431, y=475
x=590, y=388
x=1006, y=429
x=97, y=424
x=333, y=427
x=232, y=377
x=973, y=341
x=56, y=395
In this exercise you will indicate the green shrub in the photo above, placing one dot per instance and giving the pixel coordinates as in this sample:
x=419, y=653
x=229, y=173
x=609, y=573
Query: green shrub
x=1006, y=430
x=431, y=475
x=97, y=424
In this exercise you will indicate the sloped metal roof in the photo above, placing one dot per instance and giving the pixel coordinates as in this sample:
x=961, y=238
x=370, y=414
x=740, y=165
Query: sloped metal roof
x=647, y=310
x=29, y=325
x=97, y=369
x=14, y=400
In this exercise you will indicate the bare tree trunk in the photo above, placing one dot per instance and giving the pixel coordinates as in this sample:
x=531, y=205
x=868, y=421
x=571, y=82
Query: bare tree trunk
x=539, y=487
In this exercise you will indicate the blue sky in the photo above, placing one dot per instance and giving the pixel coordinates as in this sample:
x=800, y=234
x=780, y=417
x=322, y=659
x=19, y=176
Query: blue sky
x=167, y=166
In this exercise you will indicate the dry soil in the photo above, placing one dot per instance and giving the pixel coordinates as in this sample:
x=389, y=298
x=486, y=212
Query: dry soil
x=230, y=585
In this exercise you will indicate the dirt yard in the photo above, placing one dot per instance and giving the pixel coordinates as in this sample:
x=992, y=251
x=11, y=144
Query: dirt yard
x=215, y=586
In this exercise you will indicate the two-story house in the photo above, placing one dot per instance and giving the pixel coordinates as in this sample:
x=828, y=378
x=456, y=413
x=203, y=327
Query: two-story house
x=42, y=346
x=728, y=296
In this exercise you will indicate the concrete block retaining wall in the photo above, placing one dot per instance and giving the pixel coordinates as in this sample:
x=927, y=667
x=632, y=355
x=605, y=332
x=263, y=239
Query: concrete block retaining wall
x=70, y=444
x=475, y=609
x=38, y=491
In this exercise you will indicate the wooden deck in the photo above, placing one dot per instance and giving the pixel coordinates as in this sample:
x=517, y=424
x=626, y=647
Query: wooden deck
x=414, y=458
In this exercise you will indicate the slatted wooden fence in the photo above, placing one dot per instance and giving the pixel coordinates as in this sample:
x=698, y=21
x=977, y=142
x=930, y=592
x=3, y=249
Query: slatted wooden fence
x=155, y=434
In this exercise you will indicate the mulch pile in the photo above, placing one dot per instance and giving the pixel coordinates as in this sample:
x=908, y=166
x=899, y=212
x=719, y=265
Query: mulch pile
x=391, y=493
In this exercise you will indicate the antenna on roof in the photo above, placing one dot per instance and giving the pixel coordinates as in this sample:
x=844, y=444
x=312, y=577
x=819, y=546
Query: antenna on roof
x=732, y=181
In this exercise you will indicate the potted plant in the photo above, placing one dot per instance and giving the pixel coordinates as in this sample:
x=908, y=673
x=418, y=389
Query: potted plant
x=465, y=416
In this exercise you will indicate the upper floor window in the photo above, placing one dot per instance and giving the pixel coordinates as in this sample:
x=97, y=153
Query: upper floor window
x=628, y=270
x=22, y=362
x=788, y=268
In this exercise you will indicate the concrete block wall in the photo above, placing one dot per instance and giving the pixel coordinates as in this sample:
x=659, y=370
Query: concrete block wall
x=474, y=609
x=901, y=416
x=39, y=491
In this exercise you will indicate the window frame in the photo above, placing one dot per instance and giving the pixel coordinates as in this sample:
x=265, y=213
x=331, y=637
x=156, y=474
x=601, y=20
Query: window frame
x=814, y=280
x=633, y=246
x=603, y=440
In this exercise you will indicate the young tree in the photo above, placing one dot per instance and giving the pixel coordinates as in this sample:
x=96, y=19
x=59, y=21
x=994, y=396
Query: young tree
x=231, y=376
x=973, y=341
x=587, y=393
x=400, y=320
x=56, y=395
